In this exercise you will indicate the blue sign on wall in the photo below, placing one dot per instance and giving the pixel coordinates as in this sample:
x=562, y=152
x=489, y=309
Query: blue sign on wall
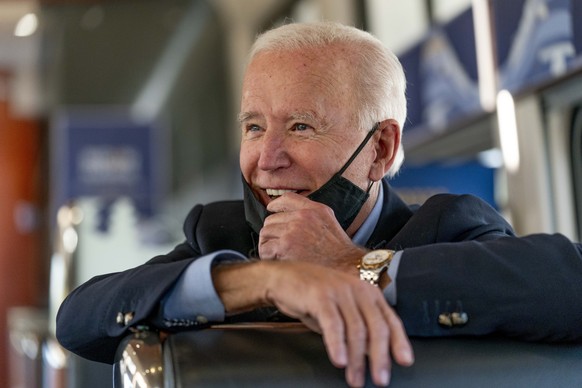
x=104, y=153
x=535, y=40
x=442, y=76
x=416, y=183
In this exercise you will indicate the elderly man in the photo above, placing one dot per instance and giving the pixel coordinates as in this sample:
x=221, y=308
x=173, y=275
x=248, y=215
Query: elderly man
x=321, y=237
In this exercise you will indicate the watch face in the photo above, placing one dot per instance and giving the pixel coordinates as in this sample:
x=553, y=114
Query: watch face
x=376, y=258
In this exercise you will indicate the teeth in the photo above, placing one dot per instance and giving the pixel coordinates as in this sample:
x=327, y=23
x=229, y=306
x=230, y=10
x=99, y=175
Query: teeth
x=277, y=193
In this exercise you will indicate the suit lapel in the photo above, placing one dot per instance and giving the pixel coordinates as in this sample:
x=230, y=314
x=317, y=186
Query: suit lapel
x=395, y=214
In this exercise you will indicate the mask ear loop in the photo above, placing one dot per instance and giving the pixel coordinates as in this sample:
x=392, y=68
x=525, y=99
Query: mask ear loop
x=370, y=187
x=358, y=150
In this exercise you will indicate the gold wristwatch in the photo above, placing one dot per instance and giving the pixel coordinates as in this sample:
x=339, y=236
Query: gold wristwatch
x=374, y=263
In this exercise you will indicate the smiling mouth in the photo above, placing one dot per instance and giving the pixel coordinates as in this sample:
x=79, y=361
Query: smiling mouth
x=275, y=193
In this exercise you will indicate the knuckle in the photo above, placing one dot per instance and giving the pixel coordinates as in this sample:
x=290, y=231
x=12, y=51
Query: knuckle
x=266, y=251
x=293, y=227
x=380, y=329
x=308, y=217
x=357, y=332
x=285, y=243
x=269, y=221
x=330, y=212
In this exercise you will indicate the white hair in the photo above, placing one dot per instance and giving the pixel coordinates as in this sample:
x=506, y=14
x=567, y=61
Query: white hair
x=380, y=82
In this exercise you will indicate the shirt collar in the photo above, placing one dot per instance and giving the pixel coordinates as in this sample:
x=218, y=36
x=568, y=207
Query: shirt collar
x=363, y=234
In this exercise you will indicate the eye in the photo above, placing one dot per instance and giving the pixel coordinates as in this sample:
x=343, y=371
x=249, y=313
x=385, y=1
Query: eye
x=251, y=131
x=300, y=127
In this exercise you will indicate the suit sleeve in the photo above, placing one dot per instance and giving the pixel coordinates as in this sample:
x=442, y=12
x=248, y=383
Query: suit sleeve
x=470, y=262
x=94, y=318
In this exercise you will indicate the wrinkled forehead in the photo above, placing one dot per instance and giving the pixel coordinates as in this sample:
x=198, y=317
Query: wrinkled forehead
x=332, y=62
x=314, y=74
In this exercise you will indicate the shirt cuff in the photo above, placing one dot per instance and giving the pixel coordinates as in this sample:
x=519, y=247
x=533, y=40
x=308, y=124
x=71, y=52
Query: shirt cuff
x=193, y=296
x=390, y=290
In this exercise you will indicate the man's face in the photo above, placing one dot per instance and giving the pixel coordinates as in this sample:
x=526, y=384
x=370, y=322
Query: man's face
x=298, y=126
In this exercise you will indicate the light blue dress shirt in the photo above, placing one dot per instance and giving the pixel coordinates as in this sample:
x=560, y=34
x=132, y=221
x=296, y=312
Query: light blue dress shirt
x=194, y=297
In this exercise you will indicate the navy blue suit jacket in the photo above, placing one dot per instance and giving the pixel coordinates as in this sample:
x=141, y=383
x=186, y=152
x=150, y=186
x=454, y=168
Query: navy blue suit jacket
x=459, y=255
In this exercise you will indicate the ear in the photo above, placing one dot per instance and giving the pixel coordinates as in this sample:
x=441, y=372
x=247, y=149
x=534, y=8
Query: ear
x=387, y=141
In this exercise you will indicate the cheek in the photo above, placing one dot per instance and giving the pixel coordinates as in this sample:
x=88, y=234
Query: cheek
x=248, y=159
x=358, y=172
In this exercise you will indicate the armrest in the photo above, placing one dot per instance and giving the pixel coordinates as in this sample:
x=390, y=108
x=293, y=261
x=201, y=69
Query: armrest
x=138, y=362
x=287, y=354
x=253, y=355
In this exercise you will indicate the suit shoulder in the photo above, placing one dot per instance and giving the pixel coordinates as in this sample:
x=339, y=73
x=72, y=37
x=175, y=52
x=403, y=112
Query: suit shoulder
x=456, y=202
x=450, y=198
x=468, y=215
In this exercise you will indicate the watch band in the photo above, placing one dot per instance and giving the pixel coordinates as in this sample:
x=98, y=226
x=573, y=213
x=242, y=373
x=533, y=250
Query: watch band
x=373, y=264
x=370, y=276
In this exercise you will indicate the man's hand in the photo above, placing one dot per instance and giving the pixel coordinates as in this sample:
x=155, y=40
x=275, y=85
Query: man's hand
x=352, y=316
x=305, y=230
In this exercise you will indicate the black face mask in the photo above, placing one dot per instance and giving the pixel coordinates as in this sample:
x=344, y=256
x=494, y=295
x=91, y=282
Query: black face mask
x=342, y=196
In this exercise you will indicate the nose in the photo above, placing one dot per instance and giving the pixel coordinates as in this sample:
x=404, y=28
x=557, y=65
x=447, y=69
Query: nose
x=274, y=151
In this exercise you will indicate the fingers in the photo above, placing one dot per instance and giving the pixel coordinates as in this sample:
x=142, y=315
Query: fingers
x=387, y=338
x=289, y=202
x=355, y=330
x=301, y=207
x=301, y=229
x=295, y=231
x=344, y=334
x=378, y=354
x=358, y=335
x=353, y=317
x=333, y=331
x=400, y=346
x=278, y=237
x=373, y=329
x=274, y=237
